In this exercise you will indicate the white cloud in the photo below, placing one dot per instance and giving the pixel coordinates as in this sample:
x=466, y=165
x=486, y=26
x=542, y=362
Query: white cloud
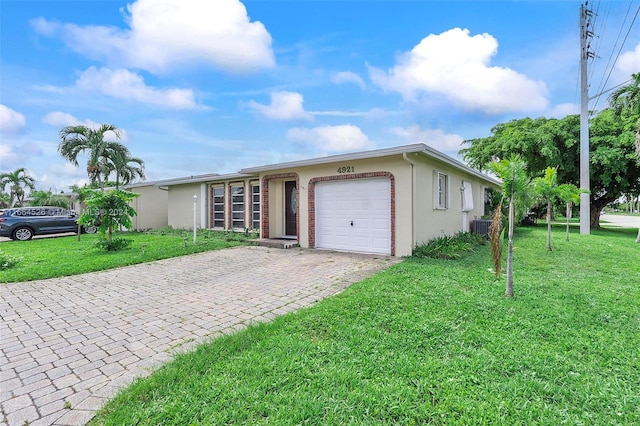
x=62, y=119
x=14, y=155
x=284, y=106
x=166, y=35
x=332, y=138
x=456, y=65
x=435, y=138
x=562, y=110
x=11, y=121
x=348, y=77
x=629, y=62
x=124, y=84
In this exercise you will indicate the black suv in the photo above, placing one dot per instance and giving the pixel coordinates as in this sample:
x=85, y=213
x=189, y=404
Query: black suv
x=22, y=223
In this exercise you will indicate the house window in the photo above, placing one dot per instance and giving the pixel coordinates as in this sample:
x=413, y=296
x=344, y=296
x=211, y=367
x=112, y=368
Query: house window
x=441, y=191
x=255, y=205
x=237, y=206
x=218, y=206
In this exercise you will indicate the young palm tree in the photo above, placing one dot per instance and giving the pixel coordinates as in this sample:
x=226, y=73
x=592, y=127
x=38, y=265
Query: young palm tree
x=81, y=139
x=17, y=180
x=547, y=188
x=570, y=194
x=515, y=184
x=626, y=104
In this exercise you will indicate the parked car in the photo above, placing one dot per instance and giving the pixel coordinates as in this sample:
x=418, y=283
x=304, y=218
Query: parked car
x=23, y=223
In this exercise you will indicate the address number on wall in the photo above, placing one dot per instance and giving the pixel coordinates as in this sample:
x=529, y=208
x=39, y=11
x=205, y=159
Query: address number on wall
x=346, y=169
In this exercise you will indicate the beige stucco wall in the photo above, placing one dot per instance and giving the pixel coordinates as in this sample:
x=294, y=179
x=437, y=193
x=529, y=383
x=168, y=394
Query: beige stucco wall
x=429, y=221
x=151, y=207
x=416, y=219
x=180, y=206
x=400, y=169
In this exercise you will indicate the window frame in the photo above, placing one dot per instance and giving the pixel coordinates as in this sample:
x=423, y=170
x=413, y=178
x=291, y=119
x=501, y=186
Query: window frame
x=234, y=223
x=215, y=221
x=439, y=192
x=255, y=202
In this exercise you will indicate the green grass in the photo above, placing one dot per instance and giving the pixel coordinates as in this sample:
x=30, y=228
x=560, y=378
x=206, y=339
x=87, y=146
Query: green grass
x=428, y=342
x=61, y=256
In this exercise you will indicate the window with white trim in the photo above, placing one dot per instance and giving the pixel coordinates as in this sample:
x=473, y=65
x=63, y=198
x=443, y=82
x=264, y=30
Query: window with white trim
x=441, y=190
x=255, y=205
x=217, y=195
x=237, y=206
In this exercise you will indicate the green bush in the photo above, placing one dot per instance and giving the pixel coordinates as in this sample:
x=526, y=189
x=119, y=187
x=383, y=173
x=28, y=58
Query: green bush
x=449, y=246
x=115, y=244
x=7, y=261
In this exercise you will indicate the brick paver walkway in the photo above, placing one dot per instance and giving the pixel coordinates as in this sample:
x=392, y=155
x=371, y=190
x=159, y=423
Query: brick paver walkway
x=68, y=344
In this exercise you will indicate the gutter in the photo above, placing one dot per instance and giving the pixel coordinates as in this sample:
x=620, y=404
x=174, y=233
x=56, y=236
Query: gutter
x=413, y=198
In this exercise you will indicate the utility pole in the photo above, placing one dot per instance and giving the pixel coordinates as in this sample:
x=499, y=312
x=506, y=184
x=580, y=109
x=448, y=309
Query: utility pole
x=585, y=55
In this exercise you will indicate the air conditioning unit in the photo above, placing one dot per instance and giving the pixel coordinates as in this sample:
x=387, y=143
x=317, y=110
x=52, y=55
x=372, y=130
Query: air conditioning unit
x=481, y=226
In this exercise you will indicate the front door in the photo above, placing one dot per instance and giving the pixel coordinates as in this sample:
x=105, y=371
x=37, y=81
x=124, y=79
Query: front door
x=290, y=208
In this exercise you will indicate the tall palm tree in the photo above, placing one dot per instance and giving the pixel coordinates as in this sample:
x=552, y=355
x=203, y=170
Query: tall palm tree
x=626, y=104
x=81, y=139
x=17, y=180
x=126, y=168
x=515, y=186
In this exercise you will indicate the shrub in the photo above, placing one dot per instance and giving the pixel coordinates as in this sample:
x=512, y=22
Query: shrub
x=116, y=244
x=449, y=247
x=7, y=261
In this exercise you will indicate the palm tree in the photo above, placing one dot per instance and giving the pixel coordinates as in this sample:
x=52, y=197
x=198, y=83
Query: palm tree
x=570, y=194
x=127, y=168
x=515, y=185
x=5, y=199
x=81, y=139
x=17, y=180
x=546, y=188
x=626, y=104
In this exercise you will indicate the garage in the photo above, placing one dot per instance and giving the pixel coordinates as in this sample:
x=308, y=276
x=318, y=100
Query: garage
x=354, y=215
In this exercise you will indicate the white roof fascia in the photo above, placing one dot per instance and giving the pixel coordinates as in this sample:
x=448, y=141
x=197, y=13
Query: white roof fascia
x=206, y=178
x=341, y=157
x=406, y=149
x=430, y=152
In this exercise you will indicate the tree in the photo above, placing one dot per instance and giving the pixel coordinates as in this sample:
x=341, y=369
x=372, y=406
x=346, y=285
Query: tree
x=543, y=143
x=626, y=105
x=81, y=139
x=570, y=194
x=17, y=180
x=515, y=185
x=126, y=168
x=547, y=188
x=48, y=198
x=108, y=210
x=5, y=199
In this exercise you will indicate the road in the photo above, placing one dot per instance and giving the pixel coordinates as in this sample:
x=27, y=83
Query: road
x=619, y=221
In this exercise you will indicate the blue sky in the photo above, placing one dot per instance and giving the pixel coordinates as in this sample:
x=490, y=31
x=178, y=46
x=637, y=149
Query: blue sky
x=215, y=86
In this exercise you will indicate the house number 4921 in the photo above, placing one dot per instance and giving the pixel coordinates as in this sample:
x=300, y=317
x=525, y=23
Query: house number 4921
x=346, y=169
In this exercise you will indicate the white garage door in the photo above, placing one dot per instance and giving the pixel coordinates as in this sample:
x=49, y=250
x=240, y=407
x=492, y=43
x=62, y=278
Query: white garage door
x=354, y=215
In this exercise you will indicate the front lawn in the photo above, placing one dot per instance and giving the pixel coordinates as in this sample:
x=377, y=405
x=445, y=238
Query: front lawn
x=428, y=342
x=61, y=256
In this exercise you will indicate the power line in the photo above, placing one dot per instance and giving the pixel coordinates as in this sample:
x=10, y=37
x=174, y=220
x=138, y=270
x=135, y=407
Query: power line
x=619, y=50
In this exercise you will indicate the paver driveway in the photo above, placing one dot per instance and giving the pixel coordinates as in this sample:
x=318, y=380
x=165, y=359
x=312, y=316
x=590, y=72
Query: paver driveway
x=70, y=343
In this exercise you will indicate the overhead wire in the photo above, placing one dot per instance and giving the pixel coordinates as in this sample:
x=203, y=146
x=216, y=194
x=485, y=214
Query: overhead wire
x=611, y=68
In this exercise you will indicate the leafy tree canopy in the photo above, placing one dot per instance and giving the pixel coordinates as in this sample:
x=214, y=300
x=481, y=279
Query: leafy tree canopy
x=547, y=142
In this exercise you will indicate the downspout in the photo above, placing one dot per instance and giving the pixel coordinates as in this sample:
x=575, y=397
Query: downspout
x=413, y=199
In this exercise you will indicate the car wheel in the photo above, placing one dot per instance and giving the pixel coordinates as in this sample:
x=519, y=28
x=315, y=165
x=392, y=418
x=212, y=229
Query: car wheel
x=90, y=229
x=22, y=234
